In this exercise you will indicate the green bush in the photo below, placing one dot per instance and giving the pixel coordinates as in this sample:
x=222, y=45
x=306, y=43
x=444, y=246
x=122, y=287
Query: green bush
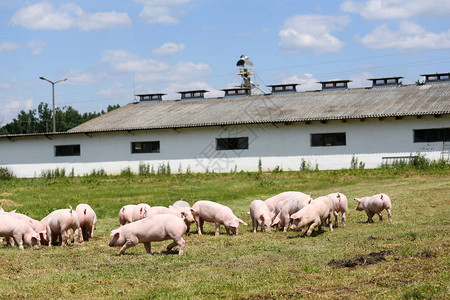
x=5, y=174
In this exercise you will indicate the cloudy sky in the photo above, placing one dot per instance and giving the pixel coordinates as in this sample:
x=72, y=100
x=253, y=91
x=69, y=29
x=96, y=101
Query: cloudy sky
x=112, y=49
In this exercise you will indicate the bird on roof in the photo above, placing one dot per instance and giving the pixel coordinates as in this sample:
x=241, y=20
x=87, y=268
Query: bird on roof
x=241, y=61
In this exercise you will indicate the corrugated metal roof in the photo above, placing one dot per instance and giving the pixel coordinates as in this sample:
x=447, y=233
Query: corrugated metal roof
x=401, y=101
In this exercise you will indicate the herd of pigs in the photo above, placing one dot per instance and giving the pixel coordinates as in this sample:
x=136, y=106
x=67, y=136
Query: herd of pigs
x=144, y=224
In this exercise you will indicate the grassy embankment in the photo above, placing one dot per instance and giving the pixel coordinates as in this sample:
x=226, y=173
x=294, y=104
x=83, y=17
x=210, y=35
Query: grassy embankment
x=408, y=258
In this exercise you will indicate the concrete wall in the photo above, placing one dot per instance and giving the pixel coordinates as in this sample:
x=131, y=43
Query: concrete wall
x=279, y=145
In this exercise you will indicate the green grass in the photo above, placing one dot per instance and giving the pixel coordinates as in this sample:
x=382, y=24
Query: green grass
x=413, y=249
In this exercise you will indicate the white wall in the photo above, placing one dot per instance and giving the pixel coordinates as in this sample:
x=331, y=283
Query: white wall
x=277, y=145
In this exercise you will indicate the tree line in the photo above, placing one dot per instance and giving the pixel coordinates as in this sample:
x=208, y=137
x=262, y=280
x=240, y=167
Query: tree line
x=40, y=120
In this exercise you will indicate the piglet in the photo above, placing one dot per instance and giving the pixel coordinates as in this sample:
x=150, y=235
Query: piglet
x=313, y=215
x=261, y=215
x=88, y=221
x=139, y=211
x=179, y=211
x=59, y=223
x=290, y=206
x=18, y=231
x=126, y=214
x=32, y=222
x=272, y=201
x=374, y=205
x=216, y=213
x=340, y=205
x=152, y=229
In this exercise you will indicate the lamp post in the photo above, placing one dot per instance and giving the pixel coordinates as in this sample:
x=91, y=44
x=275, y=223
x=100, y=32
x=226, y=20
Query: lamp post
x=53, y=97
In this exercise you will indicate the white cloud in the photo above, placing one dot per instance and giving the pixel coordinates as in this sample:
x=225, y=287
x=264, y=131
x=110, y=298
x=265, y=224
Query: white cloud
x=168, y=49
x=9, y=46
x=44, y=15
x=148, y=70
x=14, y=106
x=36, y=47
x=311, y=33
x=410, y=37
x=307, y=82
x=160, y=11
x=397, y=9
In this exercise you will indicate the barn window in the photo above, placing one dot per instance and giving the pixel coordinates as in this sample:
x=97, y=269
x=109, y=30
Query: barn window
x=328, y=139
x=238, y=143
x=145, y=147
x=67, y=150
x=431, y=135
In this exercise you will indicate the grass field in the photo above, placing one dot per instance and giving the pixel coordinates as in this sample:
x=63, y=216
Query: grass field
x=405, y=259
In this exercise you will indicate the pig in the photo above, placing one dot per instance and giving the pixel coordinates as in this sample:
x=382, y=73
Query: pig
x=375, y=205
x=340, y=205
x=313, y=215
x=126, y=214
x=88, y=221
x=216, y=213
x=272, y=201
x=18, y=231
x=181, y=203
x=181, y=212
x=59, y=223
x=152, y=229
x=41, y=230
x=138, y=211
x=261, y=215
x=290, y=206
x=33, y=223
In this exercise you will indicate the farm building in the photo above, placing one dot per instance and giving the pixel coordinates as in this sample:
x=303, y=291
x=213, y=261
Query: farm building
x=324, y=129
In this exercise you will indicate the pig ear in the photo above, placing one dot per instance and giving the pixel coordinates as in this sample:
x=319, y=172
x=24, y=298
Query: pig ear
x=358, y=199
x=114, y=232
x=36, y=236
x=240, y=221
x=13, y=211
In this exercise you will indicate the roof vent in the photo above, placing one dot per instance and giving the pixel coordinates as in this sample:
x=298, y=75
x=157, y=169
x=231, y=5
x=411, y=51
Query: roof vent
x=196, y=94
x=237, y=92
x=150, y=97
x=437, y=78
x=385, y=82
x=334, y=85
x=284, y=88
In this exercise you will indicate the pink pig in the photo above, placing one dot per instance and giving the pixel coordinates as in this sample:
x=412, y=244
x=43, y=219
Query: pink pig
x=179, y=211
x=374, y=205
x=313, y=215
x=32, y=222
x=18, y=231
x=139, y=211
x=88, y=221
x=152, y=229
x=290, y=206
x=340, y=205
x=126, y=214
x=59, y=223
x=261, y=215
x=215, y=213
x=272, y=201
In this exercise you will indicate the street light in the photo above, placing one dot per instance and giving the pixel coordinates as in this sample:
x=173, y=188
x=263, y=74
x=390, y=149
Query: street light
x=53, y=94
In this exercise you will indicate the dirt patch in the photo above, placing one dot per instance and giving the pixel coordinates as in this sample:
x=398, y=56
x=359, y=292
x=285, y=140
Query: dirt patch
x=5, y=194
x=175, y=187
x=8, y=202
x=361, y=260
x=426, y=254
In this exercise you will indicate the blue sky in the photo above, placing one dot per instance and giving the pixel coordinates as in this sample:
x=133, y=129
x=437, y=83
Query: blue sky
x=111, y=49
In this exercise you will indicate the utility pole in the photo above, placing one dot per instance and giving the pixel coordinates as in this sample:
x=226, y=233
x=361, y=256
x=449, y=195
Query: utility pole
x=53, y=97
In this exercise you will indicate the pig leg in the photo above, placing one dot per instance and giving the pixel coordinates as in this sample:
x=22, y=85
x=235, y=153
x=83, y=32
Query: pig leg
x=148, y=247
x=255, y=224
x=65, y=236
x=330, y=224
x=379, y=215
x=177, y=241
x=18, y=239
x=130, y=243
x=343, y=219
x=312, y=226
x=389, y=214
x=199, y=222
x=336, y=217
x=10, y=241
x=218, y=229
x=369, y=217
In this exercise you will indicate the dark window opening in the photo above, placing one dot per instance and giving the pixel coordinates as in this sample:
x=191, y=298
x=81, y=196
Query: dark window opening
x=432, y=135
x=67, y=150
x=232, y=143
x=145, y=147
x=328, y=139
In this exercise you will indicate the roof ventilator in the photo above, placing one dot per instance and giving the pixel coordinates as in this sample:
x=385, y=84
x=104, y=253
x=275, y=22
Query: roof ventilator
x=150, y=97
x=193, y=95
x=334, y=85
x=386, y=82
x=437, y=78
x=283, y=88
